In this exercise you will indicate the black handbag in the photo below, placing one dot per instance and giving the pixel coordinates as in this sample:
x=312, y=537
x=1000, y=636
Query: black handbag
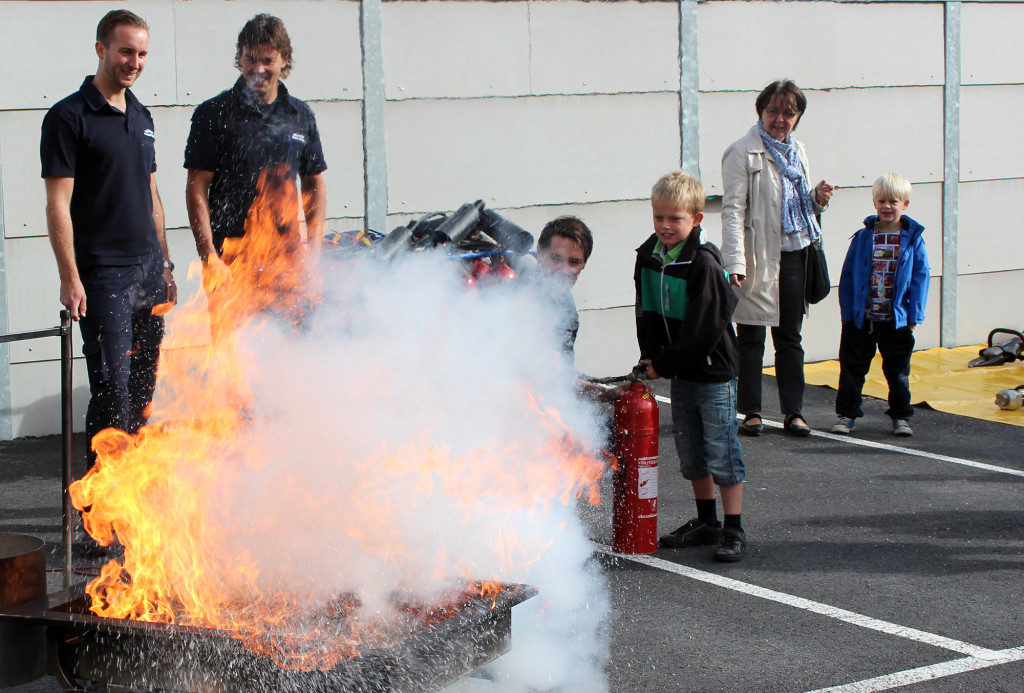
x=817, y=285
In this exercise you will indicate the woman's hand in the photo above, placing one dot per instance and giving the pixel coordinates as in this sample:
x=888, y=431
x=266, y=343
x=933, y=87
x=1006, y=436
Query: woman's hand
x=823, y=193
x=737, y=279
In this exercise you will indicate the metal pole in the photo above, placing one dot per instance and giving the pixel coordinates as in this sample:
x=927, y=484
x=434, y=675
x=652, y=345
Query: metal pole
x=375, y=172
x=950, y=178
x=689, y=89
x=67, y=433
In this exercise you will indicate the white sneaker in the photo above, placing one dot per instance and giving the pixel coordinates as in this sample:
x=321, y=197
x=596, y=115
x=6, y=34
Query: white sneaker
x=843, y=425
x=901, y=427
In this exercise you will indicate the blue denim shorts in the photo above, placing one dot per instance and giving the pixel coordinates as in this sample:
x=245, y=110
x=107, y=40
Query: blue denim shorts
x=705, y=430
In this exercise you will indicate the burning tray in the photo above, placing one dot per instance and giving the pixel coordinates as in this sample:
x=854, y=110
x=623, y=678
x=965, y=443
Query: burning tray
x=86, y=648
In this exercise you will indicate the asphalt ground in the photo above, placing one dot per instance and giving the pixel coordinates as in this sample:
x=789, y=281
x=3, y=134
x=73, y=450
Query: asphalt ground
x=873, y=562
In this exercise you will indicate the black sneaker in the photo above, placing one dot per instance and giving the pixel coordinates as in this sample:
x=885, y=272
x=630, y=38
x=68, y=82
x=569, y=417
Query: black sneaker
x=693, y=533
x=731, y=545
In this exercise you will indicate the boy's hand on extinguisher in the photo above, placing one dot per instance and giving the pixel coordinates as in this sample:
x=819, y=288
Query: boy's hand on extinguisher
x=649, y=369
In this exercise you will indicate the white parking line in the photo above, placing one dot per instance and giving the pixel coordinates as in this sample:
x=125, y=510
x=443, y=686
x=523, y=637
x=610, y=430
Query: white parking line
x=892, y=448
x=856, y=619
x=934, y=671
x=978, y=657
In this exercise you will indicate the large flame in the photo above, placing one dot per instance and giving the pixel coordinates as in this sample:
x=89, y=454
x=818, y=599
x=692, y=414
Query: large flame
x=206, y=544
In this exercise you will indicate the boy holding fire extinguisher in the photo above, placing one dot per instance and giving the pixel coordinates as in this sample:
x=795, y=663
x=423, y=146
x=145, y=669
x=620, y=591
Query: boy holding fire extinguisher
x=684, y=308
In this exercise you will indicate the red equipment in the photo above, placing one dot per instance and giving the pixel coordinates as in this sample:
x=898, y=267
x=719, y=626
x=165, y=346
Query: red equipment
x=500, y=271
x=635, y=511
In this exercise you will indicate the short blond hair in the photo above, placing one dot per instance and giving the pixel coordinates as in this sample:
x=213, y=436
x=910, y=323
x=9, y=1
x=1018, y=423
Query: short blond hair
x=891, y=185
x=681, y=189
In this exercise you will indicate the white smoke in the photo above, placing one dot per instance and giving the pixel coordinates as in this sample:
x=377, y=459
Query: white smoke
x=407, y=439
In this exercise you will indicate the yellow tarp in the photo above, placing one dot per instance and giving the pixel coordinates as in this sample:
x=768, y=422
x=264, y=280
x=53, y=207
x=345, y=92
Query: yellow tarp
x=940, y=379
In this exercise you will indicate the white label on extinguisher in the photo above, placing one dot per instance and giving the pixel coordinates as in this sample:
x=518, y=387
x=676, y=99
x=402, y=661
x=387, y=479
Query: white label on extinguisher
x=648, y=478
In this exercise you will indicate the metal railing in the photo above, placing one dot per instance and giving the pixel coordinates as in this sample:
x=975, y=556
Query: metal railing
x=66, y=426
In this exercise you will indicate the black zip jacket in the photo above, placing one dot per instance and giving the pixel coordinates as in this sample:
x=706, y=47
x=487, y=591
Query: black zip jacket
x=684, y=313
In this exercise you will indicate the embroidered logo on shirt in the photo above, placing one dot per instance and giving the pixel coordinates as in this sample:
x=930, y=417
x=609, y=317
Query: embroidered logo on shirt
x=149, y=133
x=299, y=137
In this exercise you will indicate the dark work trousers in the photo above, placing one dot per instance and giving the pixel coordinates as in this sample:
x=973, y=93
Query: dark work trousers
x=121, y=343
x=857, y=349
x=789, y=351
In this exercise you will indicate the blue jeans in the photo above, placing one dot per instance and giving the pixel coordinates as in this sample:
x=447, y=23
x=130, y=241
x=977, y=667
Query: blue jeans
x=705, y=430
x=121, y=342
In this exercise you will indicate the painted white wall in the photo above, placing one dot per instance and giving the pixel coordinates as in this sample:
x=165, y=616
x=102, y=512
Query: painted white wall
x=553, y=107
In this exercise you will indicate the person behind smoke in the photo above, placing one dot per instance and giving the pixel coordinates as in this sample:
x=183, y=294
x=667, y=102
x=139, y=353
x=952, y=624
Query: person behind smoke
x=106, y=224
x=563, y=249
x=240, y=132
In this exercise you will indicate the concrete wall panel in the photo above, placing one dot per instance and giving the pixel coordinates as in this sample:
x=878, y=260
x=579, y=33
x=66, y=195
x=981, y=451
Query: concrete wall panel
x=340, y=124
x=991, y=142
x=901, y=129
x=992, y=305
x=990, y=43
x=990, y=228
x=172, y=126
x=517, y=152
x=33, y=295
x=603, y=47
x=606, y=344
x=456, y=49
x=325, y=45
x=742, y=44
x=35, y=399
x=547, y=108
x=62, y=36
x=24, y=194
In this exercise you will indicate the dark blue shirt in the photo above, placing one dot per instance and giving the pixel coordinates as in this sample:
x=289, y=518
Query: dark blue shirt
x=235, y=135
x=111, y=155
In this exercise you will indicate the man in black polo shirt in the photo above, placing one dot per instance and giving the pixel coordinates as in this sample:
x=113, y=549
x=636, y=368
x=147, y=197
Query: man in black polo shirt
x=106, y=225
x=244, y=130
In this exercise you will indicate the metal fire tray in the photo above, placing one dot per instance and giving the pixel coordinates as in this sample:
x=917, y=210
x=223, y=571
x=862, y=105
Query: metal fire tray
x=88, y=652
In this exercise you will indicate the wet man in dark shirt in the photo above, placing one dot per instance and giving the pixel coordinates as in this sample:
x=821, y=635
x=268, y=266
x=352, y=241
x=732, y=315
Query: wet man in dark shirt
x=242, y=131
x=106, y=225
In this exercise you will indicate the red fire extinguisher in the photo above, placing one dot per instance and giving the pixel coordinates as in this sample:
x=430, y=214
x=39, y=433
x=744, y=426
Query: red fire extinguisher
x=635, y=511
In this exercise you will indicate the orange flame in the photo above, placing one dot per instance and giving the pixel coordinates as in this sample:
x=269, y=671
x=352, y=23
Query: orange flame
x=174, y=494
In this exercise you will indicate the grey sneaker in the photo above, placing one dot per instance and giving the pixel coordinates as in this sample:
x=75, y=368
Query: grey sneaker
x=843, y=425
x=901, y=427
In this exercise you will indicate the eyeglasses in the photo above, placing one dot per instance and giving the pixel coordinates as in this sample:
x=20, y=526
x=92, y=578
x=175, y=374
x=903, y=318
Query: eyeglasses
x=788, y=113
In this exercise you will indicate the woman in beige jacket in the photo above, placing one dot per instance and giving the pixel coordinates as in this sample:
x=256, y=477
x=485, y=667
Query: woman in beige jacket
x=768, y=221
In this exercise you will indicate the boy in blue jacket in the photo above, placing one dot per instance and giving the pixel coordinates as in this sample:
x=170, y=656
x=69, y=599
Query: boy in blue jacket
x=684, y=308
x=882, y=296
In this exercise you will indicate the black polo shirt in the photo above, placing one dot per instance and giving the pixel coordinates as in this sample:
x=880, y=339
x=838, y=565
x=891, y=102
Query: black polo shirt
x=236, y=136
x=111, y=156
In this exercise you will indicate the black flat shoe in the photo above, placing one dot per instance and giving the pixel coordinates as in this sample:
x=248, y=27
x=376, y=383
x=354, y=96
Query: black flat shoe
x=749, y=429
x=798, y=430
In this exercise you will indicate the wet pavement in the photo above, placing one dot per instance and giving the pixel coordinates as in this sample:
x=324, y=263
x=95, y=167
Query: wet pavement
x=873, y=563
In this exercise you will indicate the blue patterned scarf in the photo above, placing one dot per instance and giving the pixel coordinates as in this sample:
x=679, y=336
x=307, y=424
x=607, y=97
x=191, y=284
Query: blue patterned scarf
x=797, y=211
